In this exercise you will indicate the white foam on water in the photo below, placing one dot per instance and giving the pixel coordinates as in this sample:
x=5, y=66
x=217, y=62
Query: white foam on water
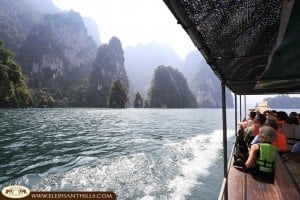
x=171, y=175
x=204, y=149
x=148, y=197
x=125, y=175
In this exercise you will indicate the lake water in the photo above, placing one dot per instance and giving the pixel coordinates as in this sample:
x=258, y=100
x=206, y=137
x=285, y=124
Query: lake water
x=136, y=153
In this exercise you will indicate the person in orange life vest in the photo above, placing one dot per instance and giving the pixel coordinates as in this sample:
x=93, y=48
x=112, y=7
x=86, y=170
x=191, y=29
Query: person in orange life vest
x=281, y=141
x=281, y=117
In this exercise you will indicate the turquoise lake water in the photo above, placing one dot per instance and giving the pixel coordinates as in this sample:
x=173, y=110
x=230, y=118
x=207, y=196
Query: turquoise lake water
x=136, y=153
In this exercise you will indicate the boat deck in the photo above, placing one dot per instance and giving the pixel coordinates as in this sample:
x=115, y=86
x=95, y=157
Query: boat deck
x=292, y=162
x=243, y=185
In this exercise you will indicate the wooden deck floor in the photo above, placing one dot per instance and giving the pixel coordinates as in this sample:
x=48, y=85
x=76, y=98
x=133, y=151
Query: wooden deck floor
x=292, y=161
x=244, y=186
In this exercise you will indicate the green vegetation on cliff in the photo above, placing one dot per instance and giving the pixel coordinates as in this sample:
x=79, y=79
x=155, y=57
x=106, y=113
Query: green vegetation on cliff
x=13, y=89
x=169, y=89
x=138, y=101
x=107, y=68
x=117, y=95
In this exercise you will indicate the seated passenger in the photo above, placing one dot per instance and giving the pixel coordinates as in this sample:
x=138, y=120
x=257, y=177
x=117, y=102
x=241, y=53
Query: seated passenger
x=296, y=148
x=292, y=119
x=249, y=121
x=280, y=142
x=252, y=131
x=262, y=155
x=281, y=117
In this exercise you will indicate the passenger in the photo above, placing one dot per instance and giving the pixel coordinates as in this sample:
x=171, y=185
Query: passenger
x=249, y=121
x=261, y=155
x=251, y=118
x=269, y=122
x=281, y=140
x=281, y=117
x=241, y=150
x=293, y=114
x=252, y=131
x=296, y=148
x=292, y=120
x=271, y=115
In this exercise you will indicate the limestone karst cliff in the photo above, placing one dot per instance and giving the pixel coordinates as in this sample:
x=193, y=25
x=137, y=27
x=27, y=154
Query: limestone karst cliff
x=169, y=89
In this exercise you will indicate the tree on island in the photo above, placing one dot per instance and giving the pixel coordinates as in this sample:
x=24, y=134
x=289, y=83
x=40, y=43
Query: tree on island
x=117, y=95
x=138, y=101
x=14, y=92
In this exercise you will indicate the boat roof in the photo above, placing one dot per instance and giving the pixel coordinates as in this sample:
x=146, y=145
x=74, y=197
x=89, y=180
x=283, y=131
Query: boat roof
x=253, y=46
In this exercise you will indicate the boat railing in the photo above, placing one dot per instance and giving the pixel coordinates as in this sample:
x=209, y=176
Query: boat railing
x=225, y=180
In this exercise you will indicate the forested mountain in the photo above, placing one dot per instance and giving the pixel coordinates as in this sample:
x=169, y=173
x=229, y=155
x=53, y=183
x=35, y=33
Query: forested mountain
x=53, y=48
x=108, y=67
x=169, y=89
x=58, y=51
x=13, y=90
x=16, y=19
x=63, y=68
x=283, y=101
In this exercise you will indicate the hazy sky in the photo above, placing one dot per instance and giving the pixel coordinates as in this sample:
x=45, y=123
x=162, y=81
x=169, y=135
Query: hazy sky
x=137, y=21
x=133, y=22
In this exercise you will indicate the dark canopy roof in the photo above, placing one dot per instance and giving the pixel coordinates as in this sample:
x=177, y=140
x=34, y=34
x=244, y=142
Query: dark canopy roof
x=251, y=45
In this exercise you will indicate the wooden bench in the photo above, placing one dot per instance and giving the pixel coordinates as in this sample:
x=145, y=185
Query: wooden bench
x=292, y=133
x=242, y=185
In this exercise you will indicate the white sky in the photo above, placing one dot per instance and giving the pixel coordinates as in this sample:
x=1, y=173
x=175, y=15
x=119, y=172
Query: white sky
x=138, y=22
x=133, y=22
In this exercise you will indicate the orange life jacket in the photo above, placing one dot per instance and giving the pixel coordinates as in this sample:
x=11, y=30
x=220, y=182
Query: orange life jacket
x=279, y=124
x=280, y=142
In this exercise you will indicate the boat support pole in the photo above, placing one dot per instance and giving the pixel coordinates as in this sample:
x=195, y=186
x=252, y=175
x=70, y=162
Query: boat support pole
x=235, y=114
x=240, y=108
x=224, y=140
x=245, y=106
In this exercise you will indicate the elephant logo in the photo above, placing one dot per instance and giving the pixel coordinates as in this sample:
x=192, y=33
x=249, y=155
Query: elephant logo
x=15, y=191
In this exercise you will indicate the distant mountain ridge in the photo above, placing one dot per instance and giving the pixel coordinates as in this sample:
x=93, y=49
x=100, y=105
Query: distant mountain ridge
x=283, y=101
